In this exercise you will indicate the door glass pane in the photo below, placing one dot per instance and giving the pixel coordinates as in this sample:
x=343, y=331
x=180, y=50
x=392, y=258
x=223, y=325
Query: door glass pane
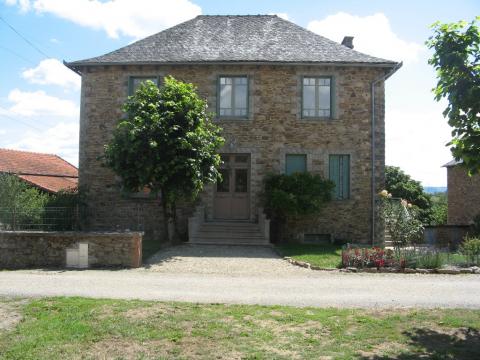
x=224, y=184
x=242, y=159
x=241, y=180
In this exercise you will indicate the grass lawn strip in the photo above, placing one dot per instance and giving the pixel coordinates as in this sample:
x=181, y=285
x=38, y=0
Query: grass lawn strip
x=325, y=256
x=78, y=328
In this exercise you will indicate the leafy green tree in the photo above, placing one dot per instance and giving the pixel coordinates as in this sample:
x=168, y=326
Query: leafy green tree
x=439, y=208
x=402, y=186
x=167, y=143
x=21, y=206
x=456, y=59
x=296, y=195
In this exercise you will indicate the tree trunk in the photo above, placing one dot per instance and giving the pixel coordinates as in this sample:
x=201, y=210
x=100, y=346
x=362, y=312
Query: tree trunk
x=169, y=219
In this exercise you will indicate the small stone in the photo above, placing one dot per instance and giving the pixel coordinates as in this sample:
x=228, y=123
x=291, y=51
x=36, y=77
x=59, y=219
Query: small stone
x=450, y=271
x=475, y=269
x=370, y=270
x=302, y=264
x=409, y=271
x=352, y=269
x=422, y=271
x=466, y=271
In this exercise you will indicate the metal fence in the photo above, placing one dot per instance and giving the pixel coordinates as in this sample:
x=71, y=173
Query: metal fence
x=40, y=219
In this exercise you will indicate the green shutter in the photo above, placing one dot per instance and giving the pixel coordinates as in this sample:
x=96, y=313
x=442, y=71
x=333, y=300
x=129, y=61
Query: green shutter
x=339, y=173
x=295, y=163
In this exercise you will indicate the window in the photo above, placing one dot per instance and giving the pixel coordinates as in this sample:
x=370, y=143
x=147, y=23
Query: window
x=135, y=81
x=295, y=163
x=233, y=96
x=317, y=97
x=339, y=173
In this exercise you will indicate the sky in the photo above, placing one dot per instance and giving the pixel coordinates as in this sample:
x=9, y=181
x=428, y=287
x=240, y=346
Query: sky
x=40, y=97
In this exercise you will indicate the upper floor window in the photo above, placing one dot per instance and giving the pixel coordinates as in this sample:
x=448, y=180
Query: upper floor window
x=233, y=96
x=135, y=81
x=295, y=163
x=317, y=97
x=339, y=173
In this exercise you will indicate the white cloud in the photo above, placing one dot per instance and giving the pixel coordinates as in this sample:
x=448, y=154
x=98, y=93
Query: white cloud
x=137, y=18
x=61, y=139
x=24, y=5
x=55, y=41
x=52, y=71
x=3, y=132
x=373, y=35
x=38, y=103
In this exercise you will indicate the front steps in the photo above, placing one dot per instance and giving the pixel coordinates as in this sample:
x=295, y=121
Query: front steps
x=229, y=233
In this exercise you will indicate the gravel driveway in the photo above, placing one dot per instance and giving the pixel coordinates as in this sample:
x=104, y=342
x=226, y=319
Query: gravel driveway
x=246, y=275
x=222, y=260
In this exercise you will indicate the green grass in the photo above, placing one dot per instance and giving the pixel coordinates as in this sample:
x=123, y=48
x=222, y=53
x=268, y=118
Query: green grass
x=327, y=255
x=74, y=328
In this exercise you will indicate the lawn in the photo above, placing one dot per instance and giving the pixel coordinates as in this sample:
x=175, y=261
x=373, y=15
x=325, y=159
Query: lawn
x=327, y=255
x=74, y=328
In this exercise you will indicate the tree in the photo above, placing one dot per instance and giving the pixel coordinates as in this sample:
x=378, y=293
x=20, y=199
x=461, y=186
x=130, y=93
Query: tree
x=402, y=186
x=294, y=196
x=167, y=143
x=456, y=59
x=21, y=205
x=439, y=208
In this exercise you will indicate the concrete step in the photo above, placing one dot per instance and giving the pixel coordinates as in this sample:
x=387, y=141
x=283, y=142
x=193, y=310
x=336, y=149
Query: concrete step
x=229, y=233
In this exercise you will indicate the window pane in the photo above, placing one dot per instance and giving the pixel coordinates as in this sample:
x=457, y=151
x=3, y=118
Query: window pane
x=240, y=101
x=241, y=180
x=339, y=173
x=309, y=99
x=224, y=184
x=225, y=96
x=241, y=158
x=295, y=163
x=324, y=97
x=136, y=81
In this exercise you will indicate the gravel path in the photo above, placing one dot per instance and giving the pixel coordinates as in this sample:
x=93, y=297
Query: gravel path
x=259, y=277
x=222, y=260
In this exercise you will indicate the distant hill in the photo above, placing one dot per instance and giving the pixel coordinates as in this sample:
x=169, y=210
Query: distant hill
x=434, y=189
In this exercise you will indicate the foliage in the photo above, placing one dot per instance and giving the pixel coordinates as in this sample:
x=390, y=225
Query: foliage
x=398, y=258
x=471, y=249
x=298, y=194
x=19, y=202
x=439, y=209
x=456, y=59
x=476, y=225
x=401, y=221
x=167, y=143
x=402, y=186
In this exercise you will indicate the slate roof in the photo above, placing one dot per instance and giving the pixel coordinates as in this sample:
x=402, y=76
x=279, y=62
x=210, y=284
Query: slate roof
x=234, y=38
x=45, y=171
x=452, y=163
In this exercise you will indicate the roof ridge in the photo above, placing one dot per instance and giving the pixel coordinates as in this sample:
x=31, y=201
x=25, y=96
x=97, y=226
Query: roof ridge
x=29, y=152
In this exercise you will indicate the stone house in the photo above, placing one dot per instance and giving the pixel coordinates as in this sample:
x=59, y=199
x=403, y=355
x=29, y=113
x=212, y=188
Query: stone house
x=463, y=194
x=287, y=100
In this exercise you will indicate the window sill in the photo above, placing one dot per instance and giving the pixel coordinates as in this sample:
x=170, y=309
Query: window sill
x=317, y=119
x=228, y=119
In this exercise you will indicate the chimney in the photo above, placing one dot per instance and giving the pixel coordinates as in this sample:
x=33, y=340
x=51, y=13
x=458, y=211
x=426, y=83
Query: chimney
x=348, y=42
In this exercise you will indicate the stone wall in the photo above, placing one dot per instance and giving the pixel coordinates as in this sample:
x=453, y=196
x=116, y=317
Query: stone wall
x=274, y=128
x=26, y=249
x=463, y=196
x=445, y=236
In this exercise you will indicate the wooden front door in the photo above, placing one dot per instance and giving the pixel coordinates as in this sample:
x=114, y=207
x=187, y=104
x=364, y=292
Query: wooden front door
x=232, y=194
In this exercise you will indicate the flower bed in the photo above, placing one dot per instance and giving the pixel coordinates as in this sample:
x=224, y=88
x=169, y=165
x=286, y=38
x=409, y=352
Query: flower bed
x=374, y=257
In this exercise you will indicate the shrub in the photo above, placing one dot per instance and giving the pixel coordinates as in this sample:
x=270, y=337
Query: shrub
x=401, y=221
x=429, y=260
x=471, y=249
x=294, y=196
x=367, y=257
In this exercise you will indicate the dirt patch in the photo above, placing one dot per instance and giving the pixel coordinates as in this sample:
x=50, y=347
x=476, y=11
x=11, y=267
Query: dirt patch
x=117, y=349
x=10, y=314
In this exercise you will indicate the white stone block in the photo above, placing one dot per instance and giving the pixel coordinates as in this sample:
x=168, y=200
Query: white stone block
x=72, y=258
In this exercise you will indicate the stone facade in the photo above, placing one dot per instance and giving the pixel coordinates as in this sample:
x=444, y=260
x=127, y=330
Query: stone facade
x=274, y=128
x=463, y=196
x=24, y=249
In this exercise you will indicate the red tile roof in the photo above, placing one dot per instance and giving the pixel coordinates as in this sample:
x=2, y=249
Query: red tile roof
x=46, y=171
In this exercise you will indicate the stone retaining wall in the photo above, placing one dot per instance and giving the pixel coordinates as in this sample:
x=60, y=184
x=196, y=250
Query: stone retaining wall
x=25, y=249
